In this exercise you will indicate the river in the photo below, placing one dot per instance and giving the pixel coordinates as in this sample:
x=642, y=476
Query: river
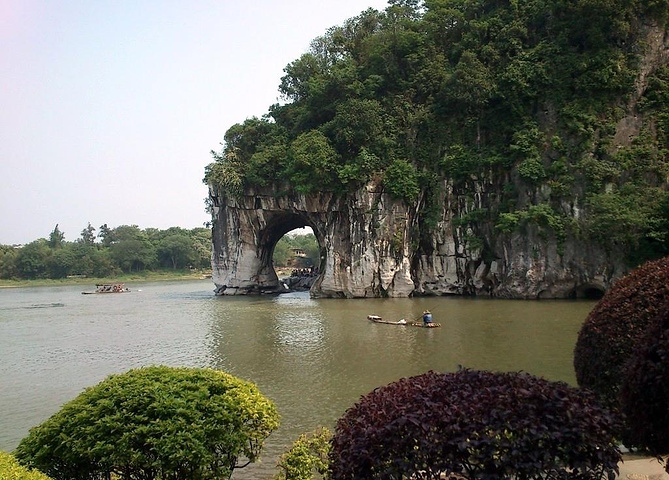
x=313, y=358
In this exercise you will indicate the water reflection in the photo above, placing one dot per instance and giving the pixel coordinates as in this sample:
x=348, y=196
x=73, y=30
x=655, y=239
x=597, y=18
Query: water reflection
x=313, y=358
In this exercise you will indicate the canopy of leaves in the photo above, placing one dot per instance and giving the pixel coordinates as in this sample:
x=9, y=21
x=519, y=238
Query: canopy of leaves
x=10, y=469
x=475, y=424
x=466, y=89
x=154, y=423
x=614, y=328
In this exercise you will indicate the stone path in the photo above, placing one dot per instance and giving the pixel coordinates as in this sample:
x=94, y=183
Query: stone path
x=636, y=468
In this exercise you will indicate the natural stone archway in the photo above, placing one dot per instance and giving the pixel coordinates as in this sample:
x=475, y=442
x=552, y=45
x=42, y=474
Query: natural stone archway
x=361, y=238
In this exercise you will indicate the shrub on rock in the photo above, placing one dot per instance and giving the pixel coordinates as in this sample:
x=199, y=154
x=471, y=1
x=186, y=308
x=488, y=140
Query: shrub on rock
x=475, y=424
x=153, y=423
x=644, y=394
x=11, y=470
x=613, y=329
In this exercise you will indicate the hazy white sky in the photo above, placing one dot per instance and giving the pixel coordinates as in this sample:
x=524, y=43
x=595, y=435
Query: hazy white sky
x=109, y=108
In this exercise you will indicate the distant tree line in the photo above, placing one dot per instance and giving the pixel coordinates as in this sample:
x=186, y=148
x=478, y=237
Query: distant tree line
x=107, y=252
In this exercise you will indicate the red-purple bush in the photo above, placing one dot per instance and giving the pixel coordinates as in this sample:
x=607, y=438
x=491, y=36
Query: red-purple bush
x=644, y=394
x=613, y=329
x=475, y=424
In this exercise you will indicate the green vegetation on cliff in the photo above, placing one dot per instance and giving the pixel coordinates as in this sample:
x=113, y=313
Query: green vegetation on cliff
x=541, y=98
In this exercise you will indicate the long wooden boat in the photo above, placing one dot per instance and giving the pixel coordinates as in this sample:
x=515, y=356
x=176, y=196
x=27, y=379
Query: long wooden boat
x=377, y=319
x=108, y=288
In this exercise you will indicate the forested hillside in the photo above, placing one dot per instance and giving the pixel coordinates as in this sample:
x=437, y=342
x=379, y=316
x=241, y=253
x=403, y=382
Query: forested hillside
x=556, y=103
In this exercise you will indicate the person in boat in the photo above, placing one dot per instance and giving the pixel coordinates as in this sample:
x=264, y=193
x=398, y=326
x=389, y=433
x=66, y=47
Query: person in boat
x=427, y=318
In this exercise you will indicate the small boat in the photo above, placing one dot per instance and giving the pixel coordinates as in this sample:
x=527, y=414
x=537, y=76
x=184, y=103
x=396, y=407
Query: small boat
x=108, y=288
x=377, y=319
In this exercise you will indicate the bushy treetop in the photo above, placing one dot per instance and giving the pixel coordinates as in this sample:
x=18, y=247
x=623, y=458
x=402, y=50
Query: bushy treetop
x=475, y=424
x=154, y=423
x=613, y=329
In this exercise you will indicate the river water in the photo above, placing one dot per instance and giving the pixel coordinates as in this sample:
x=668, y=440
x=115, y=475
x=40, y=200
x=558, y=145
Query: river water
x=313, y=358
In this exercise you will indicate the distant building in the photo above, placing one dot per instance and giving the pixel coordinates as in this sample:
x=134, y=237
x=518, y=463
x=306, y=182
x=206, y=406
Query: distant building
x=300, y=259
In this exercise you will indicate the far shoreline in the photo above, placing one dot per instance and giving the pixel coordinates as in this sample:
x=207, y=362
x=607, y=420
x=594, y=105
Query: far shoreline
x=147, y=276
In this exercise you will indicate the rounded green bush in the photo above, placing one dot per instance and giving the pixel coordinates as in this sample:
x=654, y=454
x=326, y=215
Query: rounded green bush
x=475, y=425
x=154, y=423
x=10, y=469
x=612, y=330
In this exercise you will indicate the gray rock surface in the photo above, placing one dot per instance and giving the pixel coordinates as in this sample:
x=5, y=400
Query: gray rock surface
x=372, y=246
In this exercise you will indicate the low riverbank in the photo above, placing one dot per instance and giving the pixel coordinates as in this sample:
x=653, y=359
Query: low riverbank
x=153, y=276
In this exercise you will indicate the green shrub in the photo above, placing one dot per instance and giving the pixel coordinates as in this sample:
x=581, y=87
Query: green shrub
x=153, y=423
x=612, y=331
x=401, y=180
x=11, y=470
x=475, y=425
x=306, y=457
x=525, y=146
x=644, y=393
x=543, y=216
x=313, y=162
x=632, y=220
x=532, y=170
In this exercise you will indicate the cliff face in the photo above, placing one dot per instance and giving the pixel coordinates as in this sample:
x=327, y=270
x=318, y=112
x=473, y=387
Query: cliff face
x=530, y=262
x=369, y=249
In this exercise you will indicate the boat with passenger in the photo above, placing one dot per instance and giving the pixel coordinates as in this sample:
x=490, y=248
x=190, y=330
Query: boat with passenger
x=115, y=287
x=377, y=319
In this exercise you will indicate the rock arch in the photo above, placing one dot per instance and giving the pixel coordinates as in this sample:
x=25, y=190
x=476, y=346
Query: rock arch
x=361, y=238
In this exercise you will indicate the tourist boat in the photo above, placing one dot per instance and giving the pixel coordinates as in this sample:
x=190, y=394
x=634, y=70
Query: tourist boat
x=377, y=319
x=109, y=288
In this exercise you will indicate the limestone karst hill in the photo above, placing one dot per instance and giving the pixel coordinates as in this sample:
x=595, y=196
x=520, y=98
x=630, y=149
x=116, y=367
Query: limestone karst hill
x=507, y=149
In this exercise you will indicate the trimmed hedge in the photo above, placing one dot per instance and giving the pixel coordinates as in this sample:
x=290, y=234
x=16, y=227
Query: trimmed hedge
x=612, y=331
x=644, y=394
x=475, y=424
x=11, y=470
x=153, y=423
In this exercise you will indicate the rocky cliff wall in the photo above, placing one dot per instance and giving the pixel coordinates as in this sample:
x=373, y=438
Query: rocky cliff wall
x=373, y=246
x=530, y=262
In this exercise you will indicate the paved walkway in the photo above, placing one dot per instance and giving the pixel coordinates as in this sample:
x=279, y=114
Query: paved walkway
x=641, y=468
